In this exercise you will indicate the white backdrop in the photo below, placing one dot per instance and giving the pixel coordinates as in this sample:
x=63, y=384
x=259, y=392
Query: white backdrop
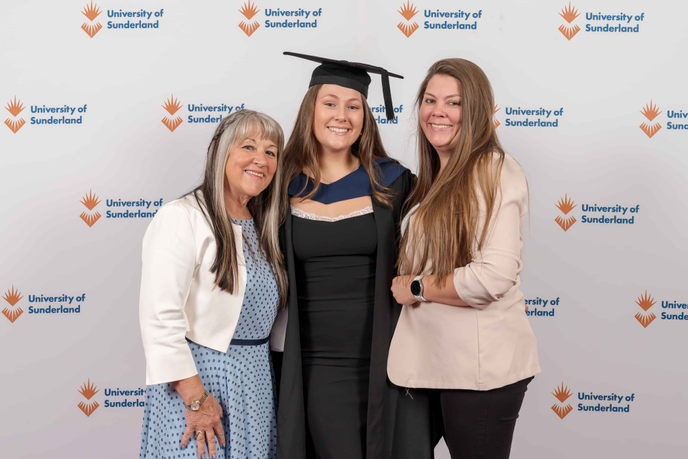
x=597, y=336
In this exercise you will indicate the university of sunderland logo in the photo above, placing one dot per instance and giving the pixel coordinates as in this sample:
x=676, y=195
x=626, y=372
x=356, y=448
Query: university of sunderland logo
x=496, y=122
x=91, y=27
x=172, y=106
x=90, y=200
x=408, y=11
x=12, y=296
x=15, y=107
x=88, y=390
x=278, y=18
x=565, y=205
x=569, y=13
x=645, y=302
x=249, y=11
x=562, y=409
x=650, y=111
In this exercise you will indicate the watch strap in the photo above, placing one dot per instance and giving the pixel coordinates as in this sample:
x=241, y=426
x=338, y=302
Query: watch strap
x=420, y=296
x=199, y=402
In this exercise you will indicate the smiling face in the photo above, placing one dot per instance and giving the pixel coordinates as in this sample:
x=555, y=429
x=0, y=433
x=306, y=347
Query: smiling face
x=250, y=167
x=440, y=113
x=338, y=118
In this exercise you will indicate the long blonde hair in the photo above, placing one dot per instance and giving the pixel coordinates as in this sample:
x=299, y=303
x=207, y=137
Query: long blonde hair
x=301, y=152
x=264, y=208
x=447, y=221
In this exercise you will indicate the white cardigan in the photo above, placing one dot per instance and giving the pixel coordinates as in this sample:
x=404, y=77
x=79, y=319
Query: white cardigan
x=179, y=299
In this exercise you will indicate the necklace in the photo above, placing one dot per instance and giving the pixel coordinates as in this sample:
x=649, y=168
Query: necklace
x=327, y=182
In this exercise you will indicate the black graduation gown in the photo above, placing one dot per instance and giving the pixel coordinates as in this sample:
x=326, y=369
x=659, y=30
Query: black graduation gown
x=400, y=424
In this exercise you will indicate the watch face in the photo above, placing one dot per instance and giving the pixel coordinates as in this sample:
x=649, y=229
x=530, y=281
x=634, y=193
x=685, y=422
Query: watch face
x=415, y=287
x=195, y=405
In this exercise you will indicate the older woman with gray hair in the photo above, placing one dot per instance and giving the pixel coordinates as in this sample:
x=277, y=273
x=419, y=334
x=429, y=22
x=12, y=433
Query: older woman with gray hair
x=212, y=282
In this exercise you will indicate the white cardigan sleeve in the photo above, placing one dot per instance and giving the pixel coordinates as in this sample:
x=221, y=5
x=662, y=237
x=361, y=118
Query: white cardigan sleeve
x=495, y=269
x=169, y=261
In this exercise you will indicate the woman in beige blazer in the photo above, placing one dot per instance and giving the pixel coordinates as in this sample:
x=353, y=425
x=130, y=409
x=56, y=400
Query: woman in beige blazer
x=463, y=331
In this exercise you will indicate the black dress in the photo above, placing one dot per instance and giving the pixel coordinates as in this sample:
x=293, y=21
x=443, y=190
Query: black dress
x=336, y=291
x=399, y=424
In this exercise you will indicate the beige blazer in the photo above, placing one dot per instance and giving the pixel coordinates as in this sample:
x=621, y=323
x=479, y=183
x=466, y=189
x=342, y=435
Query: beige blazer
x=489, y=344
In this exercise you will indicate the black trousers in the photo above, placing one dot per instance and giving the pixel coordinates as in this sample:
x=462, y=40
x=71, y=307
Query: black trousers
x=480, y=424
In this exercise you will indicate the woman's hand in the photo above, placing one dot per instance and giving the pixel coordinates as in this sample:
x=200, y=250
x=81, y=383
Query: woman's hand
x=401, y=289
x=206, y=424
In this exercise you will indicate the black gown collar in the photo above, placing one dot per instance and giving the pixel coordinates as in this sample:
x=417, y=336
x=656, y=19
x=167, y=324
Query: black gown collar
x=354, y=185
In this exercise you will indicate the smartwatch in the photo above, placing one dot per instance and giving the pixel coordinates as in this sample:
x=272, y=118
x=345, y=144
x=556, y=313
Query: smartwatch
x=417, y=288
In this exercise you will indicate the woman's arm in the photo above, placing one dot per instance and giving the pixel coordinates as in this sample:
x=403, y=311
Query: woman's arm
x=495, y=269
x=169, y=261
x=444, y=293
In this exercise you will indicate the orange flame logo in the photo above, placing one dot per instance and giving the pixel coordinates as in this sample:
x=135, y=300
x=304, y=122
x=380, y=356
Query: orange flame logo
x=645, y=301
x=91, y=12
x=569, y=13
x=12, y=314
x=15, y=125
x=172, y=124
x=12, y=296
x=565, y=205
x=650, y=111
x=172, y=105
x=88, y=408
x=562, y=393
x=90, y=219
x=15, y=107
x=645, y=320
x=565, y=223
x=562, y=411
x=496, y=122
x=407, y=29
x=650, y=129
x=249, y=28
x=90, y=200
x=88, y=390
x=91, y=29
x=408, y=11
x=249, y=10
x=569, y=32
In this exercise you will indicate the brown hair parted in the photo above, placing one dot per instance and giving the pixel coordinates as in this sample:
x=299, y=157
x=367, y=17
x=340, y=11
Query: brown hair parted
x=301, y=152
x=264, y=208
x=448, y=223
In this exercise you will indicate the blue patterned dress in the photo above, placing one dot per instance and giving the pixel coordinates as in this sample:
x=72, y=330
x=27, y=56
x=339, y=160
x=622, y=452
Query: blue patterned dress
x=240, y=379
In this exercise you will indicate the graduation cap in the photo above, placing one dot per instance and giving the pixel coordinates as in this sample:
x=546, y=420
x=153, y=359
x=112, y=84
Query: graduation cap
x=353, y=75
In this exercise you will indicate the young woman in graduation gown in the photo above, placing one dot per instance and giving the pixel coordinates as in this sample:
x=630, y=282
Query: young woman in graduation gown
x=343, y=198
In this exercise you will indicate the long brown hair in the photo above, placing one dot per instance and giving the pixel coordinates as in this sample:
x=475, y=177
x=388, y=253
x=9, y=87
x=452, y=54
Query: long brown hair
x=301, y=151
x=264, y=208
x=447, y=224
